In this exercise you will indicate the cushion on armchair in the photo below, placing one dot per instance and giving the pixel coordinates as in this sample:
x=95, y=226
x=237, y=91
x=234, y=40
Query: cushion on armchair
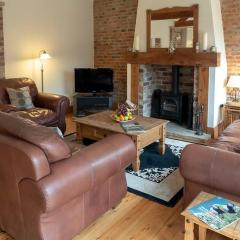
x=20, y=98
x=51, y=144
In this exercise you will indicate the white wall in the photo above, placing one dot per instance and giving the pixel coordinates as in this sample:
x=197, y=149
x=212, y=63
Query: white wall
x=210, y=21
x=63, y=28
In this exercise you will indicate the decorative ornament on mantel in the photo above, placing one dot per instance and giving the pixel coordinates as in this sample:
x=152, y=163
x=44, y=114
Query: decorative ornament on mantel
x=136, y=45
x=205, y=42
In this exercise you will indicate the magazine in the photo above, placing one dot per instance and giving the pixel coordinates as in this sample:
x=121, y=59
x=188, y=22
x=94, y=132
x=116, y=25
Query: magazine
x=217, y=212
x=132, y=127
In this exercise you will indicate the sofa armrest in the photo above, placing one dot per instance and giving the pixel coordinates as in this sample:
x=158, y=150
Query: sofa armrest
x=57, y=103
x=24, y=160
x=8, y=108
x=211, y=167
x=90, y=167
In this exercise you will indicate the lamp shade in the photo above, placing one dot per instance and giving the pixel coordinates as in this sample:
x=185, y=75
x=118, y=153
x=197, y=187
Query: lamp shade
x=43, y=55
x=234, y=82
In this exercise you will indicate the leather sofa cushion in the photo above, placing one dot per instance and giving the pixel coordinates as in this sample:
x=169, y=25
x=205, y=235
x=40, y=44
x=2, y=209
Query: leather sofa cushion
x=41, y=116
x=7, y=108
x=229, y=139
x=51, y=144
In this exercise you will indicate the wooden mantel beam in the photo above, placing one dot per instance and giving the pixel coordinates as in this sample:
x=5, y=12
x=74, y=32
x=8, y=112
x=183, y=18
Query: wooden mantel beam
x=183, y=58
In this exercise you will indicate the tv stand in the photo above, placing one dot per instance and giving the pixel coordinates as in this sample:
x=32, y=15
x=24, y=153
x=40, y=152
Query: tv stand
x=86, y=104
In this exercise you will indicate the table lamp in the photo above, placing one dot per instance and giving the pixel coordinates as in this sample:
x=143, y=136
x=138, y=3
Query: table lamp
x=234, y=82
x=43, y=55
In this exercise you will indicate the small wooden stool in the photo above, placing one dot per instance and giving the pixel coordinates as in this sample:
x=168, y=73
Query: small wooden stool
x=232, y=231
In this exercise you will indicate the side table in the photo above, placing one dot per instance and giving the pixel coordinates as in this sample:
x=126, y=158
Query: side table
x=232, y=112
x=232, y=231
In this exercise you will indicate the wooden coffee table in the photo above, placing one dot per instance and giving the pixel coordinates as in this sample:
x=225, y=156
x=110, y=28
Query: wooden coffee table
x=232, y=231
x=101, y=125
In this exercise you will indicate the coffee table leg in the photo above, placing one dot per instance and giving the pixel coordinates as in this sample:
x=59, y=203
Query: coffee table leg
x=136, y=163
x=79, y=133
x=189, y=229
x=162, y=147
x=202, y=233
x=162, y=134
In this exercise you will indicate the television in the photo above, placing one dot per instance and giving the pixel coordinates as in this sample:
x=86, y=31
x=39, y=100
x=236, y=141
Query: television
x=93, y=80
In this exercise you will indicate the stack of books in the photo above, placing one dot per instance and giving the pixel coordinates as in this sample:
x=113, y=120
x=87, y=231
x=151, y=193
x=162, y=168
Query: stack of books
x=132, y=127
x=217, y=212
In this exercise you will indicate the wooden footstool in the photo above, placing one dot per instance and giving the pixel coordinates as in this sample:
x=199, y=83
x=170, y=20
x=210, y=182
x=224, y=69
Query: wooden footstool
x=232, y=231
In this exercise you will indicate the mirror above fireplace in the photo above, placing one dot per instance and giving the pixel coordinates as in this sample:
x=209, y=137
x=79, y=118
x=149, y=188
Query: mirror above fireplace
x=177, y=26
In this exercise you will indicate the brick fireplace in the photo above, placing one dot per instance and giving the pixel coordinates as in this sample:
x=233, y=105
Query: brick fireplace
x=149, y=67
x=168, y=91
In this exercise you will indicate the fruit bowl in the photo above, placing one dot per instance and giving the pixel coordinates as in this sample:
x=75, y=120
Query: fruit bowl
x=122, y=114
x=120, y=121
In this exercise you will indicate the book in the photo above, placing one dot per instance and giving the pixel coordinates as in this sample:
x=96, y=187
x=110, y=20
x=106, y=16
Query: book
x=132, y=127
x=217, y=212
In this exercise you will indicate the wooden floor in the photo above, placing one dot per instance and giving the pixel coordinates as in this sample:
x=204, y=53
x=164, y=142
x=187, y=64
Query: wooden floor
x=136, y=218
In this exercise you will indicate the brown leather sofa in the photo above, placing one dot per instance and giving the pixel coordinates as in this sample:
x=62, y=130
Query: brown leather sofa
x=50, y=193
x=50, y=110
x=215, y=168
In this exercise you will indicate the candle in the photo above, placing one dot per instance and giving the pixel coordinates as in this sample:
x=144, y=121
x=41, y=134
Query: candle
x=137, y=43
x=205, y=41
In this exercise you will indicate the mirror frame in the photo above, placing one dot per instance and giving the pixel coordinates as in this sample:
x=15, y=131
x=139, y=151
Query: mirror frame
x=174, y=13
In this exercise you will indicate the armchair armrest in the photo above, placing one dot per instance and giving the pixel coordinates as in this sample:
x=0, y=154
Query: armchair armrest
x=86, y=169
x=57, y=103
x=7, y=108
x=211, y=167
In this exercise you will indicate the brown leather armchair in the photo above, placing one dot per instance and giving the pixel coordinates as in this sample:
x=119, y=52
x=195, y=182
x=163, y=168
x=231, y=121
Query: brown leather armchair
x=50, y=110
x=215, y=168
x=47, y=194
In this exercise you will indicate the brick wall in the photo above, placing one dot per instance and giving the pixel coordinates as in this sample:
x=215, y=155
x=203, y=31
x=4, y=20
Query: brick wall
x=2, y=62
x=114, y=27
x=231, y=22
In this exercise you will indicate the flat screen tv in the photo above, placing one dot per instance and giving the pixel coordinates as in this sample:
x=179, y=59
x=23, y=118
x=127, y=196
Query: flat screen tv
x=93, y=80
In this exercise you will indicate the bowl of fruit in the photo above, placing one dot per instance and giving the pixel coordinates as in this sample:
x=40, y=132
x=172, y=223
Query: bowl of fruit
x=123, y=114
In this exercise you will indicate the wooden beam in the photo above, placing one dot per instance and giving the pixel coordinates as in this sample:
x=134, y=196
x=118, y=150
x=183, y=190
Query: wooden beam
x=149, y=29
x=183, y=57
x=195, y=25
x=134, y=83
x=203, y=84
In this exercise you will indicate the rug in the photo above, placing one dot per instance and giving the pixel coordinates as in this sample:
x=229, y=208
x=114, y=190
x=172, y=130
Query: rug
x=159, y=178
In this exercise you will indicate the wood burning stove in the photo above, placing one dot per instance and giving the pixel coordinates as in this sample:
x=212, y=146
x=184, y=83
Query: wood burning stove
x=174, y=105
x=171, y=107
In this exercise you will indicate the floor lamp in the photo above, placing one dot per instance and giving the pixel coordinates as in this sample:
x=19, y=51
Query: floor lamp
x=43, y=55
